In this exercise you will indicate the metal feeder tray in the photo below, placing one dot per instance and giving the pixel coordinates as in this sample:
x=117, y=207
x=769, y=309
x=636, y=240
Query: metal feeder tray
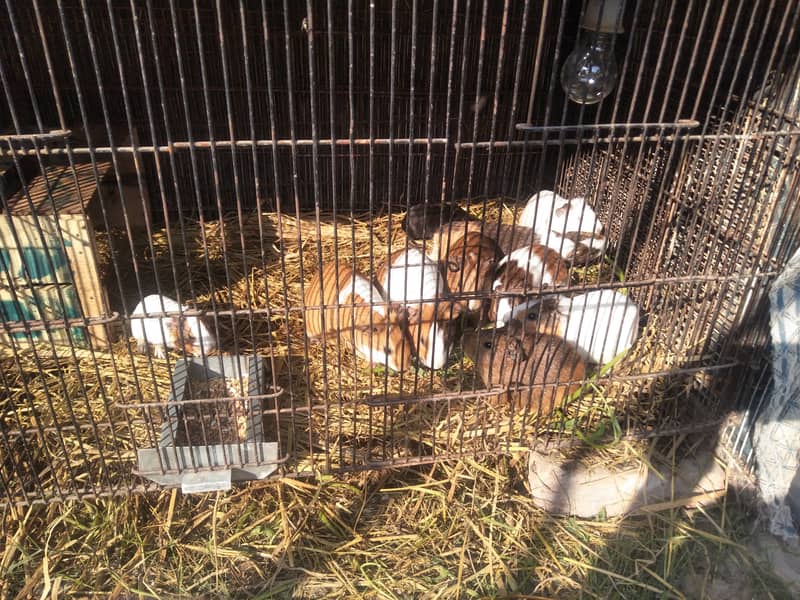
x=204, y=468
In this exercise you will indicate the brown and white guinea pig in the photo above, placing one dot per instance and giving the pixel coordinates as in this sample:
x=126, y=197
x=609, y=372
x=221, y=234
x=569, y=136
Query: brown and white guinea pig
x=415, y=281
x=421, y=221
x=506, y=236
x=600, y=324
x=191, y=335
x=569, y=226
x=378, y=333
x=470, y=261
x=525, y=270
x=508, y=357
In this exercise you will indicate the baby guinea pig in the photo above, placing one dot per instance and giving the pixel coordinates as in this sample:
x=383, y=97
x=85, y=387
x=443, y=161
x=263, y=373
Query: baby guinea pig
x=569, y=226
x=378, y=333
x=191, y=335
x=508, y=357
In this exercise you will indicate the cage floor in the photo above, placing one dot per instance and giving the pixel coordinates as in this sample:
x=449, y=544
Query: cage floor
x=82, y=414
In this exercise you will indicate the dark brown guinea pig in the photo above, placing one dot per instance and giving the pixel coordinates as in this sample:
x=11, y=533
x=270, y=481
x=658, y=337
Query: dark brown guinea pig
x=421, y=221
x=508, y=357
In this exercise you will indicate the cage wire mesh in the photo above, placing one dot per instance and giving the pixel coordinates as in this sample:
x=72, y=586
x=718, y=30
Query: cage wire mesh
x=175, y=174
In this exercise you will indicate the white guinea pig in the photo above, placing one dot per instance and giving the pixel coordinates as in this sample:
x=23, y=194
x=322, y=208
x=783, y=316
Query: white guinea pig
x=600, y=323
x=569, y=227
x=187, y=334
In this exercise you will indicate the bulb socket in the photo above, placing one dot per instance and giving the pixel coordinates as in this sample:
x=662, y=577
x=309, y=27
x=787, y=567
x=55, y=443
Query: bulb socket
x=610, y=21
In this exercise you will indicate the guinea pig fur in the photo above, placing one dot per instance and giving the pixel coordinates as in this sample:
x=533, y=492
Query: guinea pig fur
x=431, y=328
x=569, y=226
x=377, y=333
x=470, y=262
x=187, y=334
x=525, y=271
x=600, y=323
x=508, y=357
x=411, y=277
x=507, y=236
x=421, y=221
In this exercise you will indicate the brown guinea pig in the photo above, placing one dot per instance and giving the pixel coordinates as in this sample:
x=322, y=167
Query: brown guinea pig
x=469, y=260
x=512, y=359
x=378, y=333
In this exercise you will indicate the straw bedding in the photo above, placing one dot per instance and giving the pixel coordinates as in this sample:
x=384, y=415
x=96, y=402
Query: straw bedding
x=345, y=412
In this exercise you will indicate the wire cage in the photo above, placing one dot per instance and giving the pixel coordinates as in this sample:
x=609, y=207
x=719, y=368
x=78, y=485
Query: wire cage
x=174, y=174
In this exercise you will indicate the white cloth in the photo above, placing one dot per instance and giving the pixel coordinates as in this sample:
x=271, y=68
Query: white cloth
x=777, y=429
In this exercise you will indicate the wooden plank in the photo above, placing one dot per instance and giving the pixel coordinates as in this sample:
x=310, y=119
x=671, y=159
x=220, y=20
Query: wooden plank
x=58, y=186
x=83, y=259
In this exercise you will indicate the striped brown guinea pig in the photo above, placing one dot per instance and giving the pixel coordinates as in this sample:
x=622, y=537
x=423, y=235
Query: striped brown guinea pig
x=510, y=358
x=378, y=333
x=469, y=260
x=525, y=270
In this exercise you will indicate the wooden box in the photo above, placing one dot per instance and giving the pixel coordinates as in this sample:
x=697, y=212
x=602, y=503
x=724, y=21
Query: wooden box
x=48, y=255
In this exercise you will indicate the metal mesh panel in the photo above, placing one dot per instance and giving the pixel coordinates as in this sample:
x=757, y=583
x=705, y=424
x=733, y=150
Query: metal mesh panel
x=222, y=153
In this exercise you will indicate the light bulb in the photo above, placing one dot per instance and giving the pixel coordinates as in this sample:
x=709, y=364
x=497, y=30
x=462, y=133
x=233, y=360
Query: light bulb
x=590, y=71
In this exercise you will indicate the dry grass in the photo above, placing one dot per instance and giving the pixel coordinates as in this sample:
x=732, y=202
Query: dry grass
x=457, y=530
x=454, y=530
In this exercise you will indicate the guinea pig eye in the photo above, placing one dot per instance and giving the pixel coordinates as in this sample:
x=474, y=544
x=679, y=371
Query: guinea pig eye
x=487, y=344
x=532, y=316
